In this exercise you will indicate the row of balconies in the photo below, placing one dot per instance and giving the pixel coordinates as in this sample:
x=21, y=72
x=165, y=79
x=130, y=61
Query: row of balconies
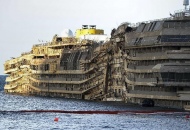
x=7, y=86
x=8, y=71
x=179, y=95
x=62, y=71
x=66, y=82
x=10, y=79
x=62, y=90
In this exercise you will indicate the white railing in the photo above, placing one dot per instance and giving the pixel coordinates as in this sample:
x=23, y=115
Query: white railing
x=137, y=24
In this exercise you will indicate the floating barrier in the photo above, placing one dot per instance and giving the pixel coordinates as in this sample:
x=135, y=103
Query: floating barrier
x=128, y=112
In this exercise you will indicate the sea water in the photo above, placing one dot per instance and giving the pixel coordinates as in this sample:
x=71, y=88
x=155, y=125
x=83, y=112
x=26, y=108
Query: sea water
x=45, y=121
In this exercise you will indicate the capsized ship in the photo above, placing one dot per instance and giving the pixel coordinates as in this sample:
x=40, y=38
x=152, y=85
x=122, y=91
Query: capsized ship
x=148, y=62
x=58, y=68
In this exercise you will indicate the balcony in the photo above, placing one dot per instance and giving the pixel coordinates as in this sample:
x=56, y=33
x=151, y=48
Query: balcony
x=55, y=90
x=152, y=96
x=10, y=79
x=8, y=71
x=10, y=86
x=62, y=71
x=140, y=83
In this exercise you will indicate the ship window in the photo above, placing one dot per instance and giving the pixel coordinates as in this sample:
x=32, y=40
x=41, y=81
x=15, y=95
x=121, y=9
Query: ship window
x=171, y=25
x=153, y=25
x=175, y=38
x=38, y=57
x=157, y=26
x=187, y=24
x=165, y=25
x=177, y=77
x=141, y=27
x=146, y=27
x=134, y=53
x=46, y=67
x=140, y=40
x=150, y=26
x=132, y=41
x=59, y=39
x=128, y=29
x=177, y=24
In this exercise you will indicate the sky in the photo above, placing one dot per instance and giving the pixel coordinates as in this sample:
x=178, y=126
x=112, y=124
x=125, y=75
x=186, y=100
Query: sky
x=24, y=22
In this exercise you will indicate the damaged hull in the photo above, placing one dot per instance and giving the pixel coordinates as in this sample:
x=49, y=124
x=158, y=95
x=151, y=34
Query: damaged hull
x=148, y=61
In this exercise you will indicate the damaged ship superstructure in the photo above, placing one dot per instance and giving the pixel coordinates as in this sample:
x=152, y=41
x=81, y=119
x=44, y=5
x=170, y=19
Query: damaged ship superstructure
x=156, y=58
x=56, y=68
x=148, y=61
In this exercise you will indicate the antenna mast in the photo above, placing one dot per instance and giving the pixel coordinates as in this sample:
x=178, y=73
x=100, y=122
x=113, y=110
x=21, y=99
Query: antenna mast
x=186, y=3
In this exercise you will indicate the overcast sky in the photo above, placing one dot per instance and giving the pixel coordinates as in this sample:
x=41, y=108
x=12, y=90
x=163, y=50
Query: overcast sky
x=24, y=22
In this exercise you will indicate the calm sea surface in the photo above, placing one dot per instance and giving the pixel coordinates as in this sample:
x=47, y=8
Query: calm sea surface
x=45, y=121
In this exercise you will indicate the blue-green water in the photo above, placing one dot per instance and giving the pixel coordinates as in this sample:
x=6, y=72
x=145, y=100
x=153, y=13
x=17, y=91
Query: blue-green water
x=45, y=121
x=2, y=81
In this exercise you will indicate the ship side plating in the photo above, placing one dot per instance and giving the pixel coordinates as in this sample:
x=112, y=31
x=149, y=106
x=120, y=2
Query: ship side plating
x=156, y=58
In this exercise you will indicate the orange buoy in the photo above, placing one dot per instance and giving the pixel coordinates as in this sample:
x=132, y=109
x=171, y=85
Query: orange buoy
x=56, y=119
x=187, y=117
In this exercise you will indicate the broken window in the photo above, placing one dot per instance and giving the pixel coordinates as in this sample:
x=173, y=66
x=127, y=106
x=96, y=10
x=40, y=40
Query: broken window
x=46, y=67
x=58, y=39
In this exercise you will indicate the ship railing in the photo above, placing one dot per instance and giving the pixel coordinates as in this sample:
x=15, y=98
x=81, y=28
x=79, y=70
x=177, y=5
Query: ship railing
x=26, y=53
x=183, y=92
x=181, y=11
x=10, y=70
x=63, y=71
x=9, y=79
x=91, y=87
x=140, y=83
x=73, y=41
x=9, y=86
x=60, y=43
x=38, y=88
x=42, y=44
x=60, y=81
x=25, y=66
x=58, y=71
x=175, y=80
x=151, y=96
x=164, y=93
x=155, y=20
